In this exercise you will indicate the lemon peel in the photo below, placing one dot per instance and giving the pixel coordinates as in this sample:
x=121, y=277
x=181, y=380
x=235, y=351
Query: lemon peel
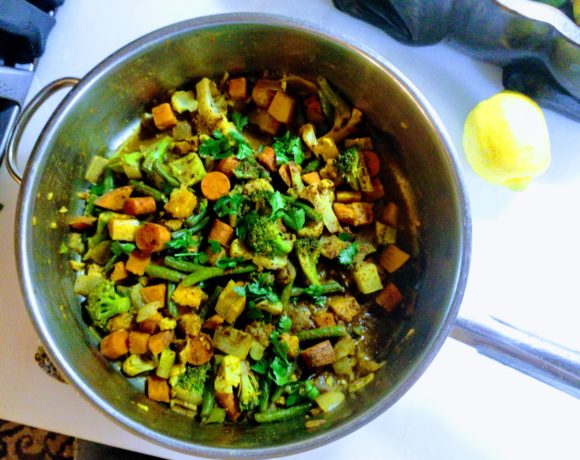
x=506, y=140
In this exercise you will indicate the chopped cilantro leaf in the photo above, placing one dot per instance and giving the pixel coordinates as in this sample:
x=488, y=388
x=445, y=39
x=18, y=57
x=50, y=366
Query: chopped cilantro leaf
x=346, y=256
x=285, y=324
x=345, y=237
x=228, y=262
x=228, y=205
x=214, y=246
x=239, y=120
x=288, y=148
x=295, y=218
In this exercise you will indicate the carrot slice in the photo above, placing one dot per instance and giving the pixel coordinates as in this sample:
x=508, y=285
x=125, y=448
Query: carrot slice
x=139, y=205
x=214, y=185
x=152, y=237
x=163, y=116
x=115, y=199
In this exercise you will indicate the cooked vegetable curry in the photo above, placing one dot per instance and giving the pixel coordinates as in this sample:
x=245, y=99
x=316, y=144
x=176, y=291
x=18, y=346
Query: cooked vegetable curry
x=241, y=253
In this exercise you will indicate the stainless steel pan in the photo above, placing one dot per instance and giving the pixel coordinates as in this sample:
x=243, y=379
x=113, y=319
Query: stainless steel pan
x=109, y=100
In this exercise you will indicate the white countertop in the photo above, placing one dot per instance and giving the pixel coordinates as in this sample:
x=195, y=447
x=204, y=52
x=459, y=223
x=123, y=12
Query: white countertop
x=524, y=269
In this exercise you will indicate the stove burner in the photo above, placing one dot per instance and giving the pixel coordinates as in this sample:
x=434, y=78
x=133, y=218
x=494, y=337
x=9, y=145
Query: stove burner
x=24, y=29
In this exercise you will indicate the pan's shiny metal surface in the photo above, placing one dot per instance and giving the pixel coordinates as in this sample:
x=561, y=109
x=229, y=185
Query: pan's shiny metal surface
x=110, y=99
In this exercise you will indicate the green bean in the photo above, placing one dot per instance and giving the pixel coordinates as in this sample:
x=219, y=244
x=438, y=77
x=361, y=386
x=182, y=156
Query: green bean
x=264, y=395
x=282, y=414
x=277, y=394
x=201, y=275
x=287, y=290
x=325, y=332
x=171, y=305
x=322, y=289
x=108, y=180
x=148, y=190
x=159, y=271
x=194, y=219
x=202, y=223
x=208, y=399
x=181, y=265
x=161, y=169
x=207, y=306
x=207, y=273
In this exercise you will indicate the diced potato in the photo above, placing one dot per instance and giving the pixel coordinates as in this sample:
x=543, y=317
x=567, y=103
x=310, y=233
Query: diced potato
x=275, y=308
x=190, y=323
x=84, y=284
x=282, y=107
x=348, y=196
x=385, y=233
x=163, y=116
x=82, y=222
x=120, y=321
x=122, y=229
x=230, y=303
x=355, y=214
x=199, y=349
x=232, y=341
x=324, y=319
x=393, y=258
x=345, y=307
x=367, y=278
x=190, y=296
x=213, y=322
x=181, y=203
x=390, y=297
x=148, y=311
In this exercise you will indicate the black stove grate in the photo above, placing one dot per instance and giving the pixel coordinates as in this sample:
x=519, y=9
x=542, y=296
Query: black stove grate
x=24, y=29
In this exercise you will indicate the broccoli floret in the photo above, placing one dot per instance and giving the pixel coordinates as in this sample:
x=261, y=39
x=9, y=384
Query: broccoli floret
x=248, y=391
x=351, y=167
x=103, y=302
x=135, y=365
x=308, y=252
x=321, y=196
x=212, y=109
x=188, y=386
x=155, y=152
x=264, y=236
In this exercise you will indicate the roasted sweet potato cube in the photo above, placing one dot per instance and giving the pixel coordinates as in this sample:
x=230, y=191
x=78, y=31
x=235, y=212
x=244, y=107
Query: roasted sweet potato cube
x=119, y=272
x=154, y=293
x=348, y=196
x=313, y=109
x=228, y=165
x=321, y=354
x=160, y=341
x=393, y=258
x=377, y=193
x=311, y=178
x=389, y=214
x=355, y=214
x=238, y=88
x=324, y=319
x=268, y=158
x=138, y=342
x=266, y=122
x=390, y=297
x=229, y=403
x=137, y=262
x=115, y=344
x=282, y=107
x=221, y=232
x=82, y=222
x=157, y=389
x=163, y=116
x=345, y=307
x=115, y=199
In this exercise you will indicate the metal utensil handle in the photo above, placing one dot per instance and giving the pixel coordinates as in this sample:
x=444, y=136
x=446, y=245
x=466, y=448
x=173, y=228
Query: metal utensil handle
x=25, y=116
x=546, y=361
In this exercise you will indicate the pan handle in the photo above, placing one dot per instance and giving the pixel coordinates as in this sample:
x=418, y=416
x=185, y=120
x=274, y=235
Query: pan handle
x=546, y=361
x=22, y=122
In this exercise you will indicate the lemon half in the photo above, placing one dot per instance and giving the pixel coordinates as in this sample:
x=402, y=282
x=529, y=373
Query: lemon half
x=506, y=140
